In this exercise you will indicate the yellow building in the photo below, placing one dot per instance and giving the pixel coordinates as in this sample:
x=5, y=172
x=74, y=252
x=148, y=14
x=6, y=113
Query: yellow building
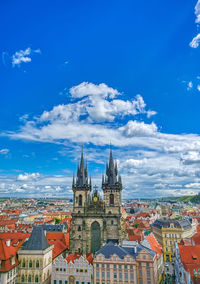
x=167, y=232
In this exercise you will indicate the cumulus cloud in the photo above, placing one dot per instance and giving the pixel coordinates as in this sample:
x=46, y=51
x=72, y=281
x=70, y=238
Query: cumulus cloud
x=140, y=129
x=191, y=157
x=189, y=86
x=28, y=177
x=23, y=56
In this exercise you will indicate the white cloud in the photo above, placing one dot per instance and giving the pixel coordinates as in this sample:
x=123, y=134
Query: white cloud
x=138, y=129
x=4, y=151
x=197, y=12
x=198, y=88
x=27, y=177
x=195, y=41
x=90, y=89
x=189, y=86
x=191, y=157
x=23, y=56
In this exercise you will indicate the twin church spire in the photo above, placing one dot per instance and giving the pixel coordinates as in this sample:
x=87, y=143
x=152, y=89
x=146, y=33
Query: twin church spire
x=111, y=178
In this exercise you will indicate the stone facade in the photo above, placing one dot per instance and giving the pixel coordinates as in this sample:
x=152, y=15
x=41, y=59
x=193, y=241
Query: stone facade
x=95, y=221
x=35, y=259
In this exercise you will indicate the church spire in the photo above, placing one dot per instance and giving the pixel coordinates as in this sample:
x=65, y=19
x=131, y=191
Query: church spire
x=111, y=177
x=82, y=173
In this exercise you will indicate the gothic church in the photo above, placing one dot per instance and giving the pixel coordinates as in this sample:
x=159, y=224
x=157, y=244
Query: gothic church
x=95, y=221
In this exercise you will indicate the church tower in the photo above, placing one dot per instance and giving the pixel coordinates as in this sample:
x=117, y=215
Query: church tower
x=112, y=187
x=81, y=187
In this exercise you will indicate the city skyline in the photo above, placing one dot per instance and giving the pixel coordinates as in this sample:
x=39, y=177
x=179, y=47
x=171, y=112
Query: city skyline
x=96, y=73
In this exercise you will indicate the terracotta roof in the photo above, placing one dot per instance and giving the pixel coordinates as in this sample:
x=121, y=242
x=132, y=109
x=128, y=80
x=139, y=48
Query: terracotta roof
x=6, y=253
x=155, y=246
x=190, y=257
x=71, y=257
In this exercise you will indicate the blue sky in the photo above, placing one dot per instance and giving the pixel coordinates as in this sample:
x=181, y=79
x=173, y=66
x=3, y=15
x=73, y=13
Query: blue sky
x=91, y=72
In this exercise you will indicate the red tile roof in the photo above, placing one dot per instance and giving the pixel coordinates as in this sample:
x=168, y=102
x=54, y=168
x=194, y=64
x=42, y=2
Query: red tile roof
x=155, y=246
x=6, y=254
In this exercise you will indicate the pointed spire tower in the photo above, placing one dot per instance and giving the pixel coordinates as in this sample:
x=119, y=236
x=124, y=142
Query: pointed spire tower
x=112, y=186
x=82, y=173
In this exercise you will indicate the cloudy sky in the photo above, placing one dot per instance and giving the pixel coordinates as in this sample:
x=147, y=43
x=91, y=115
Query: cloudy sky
x=94, y=72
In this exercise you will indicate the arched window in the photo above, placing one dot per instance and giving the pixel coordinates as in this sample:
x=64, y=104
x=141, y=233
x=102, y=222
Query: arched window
x=23, y=278
x=36, y=278
x=80, y=200
x=30, y=263
x=111, y=199
x=29, y=278
x=37, y=263
x=79, y=237
x=79, y=228
x=23, y=263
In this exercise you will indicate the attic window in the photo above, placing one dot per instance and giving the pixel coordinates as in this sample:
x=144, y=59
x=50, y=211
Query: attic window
x=194, y=257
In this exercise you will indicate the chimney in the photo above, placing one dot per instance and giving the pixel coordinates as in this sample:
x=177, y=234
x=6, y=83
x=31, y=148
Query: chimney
x=8, y=243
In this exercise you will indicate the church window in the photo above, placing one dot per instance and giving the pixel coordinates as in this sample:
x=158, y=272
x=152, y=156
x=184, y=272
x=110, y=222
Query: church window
x=112, y=222
x=29, y=278
x=23, y=278
x=37, y=263
x=36, y=279
x=80, y=200
x=79, y=228
x=111, y=199
x=30, y=263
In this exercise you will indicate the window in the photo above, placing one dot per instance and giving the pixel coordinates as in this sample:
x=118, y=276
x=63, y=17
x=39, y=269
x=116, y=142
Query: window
x=102, y=265
x=144, y=256
x=36, y=279
x=115, y=266
x=166, y=249
x=131, y=267
x=103, y=274
x=120, y=266
x=83, y=282
x=37, y=263
x=23, y=278
x=148, y=273
x=29, y=278
x=132, y=276
x=77, y=282
x=111, y=199
x=60, y=281
x=97, y=265
x=126, y=276
x=30, y=263
x=108, y=275
x=140, y=273
x=23, y=263
x=148, y=282
x=125, y=266
x=79, y=228
x=80, y=200
x=108, y=265
x=112, y=222
x=120, y=275
x=97, y=274
x=55, y=282
x=141, y=282
x=115, y=275
x=66, y=282
x=88, y=283
x=147, y=264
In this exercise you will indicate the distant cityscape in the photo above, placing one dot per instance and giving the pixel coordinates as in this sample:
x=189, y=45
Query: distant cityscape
x=90, y=239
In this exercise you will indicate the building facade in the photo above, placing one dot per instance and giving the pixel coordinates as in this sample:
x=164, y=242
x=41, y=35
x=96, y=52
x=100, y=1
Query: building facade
x=95, y=221
x=128, y=263
x=167, y=232
x=74, y=269
x=35, y=259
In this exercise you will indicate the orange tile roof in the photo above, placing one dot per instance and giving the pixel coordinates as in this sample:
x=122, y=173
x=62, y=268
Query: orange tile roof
x=6, y=253
x=190, y=257
x=155, y=246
